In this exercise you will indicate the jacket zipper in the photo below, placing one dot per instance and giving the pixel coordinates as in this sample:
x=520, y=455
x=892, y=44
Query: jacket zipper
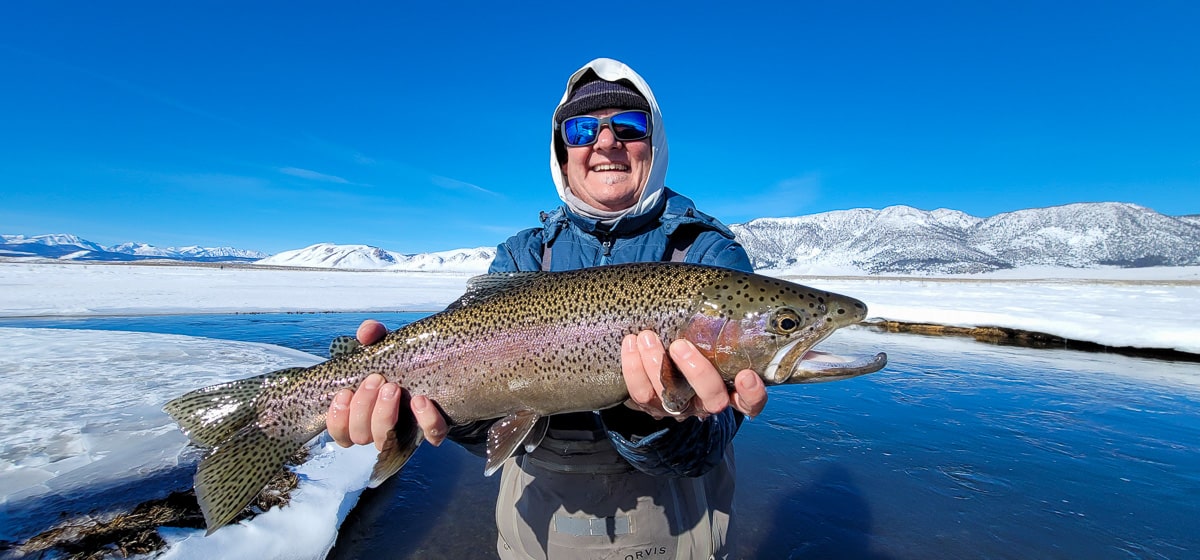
x=606, y=242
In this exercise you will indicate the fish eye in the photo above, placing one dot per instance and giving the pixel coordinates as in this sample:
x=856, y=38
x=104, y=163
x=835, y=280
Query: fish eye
x=785, y=321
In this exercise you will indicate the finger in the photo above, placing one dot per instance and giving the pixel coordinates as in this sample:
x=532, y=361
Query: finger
x=652, y=353
x=385, y=413
x=370, y=332
x=361, y=407
x=705, y=380
x=750, y=394
x=430, y=419
x=636, y=381
x=338, y=419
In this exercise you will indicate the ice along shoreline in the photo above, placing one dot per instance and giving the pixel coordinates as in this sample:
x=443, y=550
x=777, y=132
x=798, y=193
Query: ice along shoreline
x=1148, y=317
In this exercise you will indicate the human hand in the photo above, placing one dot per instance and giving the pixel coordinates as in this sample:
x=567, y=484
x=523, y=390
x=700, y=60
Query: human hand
x=642, y=357
x=368, y=414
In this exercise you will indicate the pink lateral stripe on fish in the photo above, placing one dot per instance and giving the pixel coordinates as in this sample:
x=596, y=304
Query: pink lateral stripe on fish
x=519, y=347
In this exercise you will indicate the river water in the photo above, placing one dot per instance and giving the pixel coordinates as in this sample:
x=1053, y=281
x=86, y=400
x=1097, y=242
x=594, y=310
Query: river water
x=957, y=449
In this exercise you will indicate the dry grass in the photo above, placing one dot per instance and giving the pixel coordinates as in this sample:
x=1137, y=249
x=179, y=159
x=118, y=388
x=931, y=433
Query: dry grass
x=91, y=537
x=1005, y=336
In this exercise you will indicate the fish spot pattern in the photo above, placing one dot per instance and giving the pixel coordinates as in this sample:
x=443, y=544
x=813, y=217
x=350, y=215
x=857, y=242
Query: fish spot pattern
x=546, y=342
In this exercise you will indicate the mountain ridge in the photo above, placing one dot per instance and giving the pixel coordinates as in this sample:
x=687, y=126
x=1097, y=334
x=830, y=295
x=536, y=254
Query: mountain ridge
x=893, y=240
x=905, y=240
x=329, y=255
x=74, y=248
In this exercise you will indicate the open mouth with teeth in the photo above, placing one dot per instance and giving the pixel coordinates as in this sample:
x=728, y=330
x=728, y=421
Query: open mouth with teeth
x=619, y=167
x=795, y=363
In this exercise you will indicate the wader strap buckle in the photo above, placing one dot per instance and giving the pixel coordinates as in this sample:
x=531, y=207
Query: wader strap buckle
x=592, y=526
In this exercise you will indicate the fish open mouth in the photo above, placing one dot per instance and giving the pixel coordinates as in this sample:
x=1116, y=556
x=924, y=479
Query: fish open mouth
x=816, y=367
x=790, y=365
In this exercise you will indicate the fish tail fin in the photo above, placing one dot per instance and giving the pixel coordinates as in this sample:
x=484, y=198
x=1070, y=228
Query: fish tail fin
x=236, y=471
x=213, y=414
x=402, y=441
x=248, y=450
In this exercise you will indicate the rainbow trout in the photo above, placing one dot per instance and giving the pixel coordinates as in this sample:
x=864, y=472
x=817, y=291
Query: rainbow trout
x=519, y=347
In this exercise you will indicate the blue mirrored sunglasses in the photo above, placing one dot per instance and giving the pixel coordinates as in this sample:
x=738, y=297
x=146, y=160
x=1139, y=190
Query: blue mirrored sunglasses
x=626, y=127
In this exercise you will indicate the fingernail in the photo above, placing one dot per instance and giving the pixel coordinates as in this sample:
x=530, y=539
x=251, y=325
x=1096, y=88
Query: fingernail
x=342, y=399
x=629, y=344
x=389, y=391
x=686, y=349
x=420, y=403
x=647, y=340
x=372, y=381
x=685, y=353
x=750, y=382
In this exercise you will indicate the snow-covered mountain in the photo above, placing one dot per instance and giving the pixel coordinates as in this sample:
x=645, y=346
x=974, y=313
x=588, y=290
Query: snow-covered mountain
x=328, y=255
x=905, y=240
x=71, y=247
x=894, y=240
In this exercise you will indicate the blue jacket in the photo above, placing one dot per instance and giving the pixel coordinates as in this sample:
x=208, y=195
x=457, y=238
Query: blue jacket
x=657, y=447
x=577, y=242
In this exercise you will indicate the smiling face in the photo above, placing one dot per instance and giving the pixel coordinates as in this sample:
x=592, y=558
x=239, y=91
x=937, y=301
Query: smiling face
x=610, y=174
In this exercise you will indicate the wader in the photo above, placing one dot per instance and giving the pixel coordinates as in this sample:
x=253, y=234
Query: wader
x=575, y=497
x=588, y=502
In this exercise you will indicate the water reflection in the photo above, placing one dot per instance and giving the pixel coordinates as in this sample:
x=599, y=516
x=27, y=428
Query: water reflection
x=957, y=449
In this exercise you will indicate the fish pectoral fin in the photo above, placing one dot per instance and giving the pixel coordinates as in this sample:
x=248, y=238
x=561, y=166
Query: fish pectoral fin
x=401, y=442
x=343, y=345
x=538, y=433
x=237, y=471
x=506, y=435
x=677, y=392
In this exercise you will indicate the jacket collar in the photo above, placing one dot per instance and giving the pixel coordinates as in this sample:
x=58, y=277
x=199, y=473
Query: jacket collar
x=676, y=211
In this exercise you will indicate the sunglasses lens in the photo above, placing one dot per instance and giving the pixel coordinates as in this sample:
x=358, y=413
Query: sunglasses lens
x=581, y=131
x=630, y=125
x=627, y=126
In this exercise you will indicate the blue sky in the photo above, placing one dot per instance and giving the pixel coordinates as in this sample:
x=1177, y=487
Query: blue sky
x=424, y=126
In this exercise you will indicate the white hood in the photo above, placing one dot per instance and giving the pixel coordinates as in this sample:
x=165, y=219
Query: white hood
x=612, y=70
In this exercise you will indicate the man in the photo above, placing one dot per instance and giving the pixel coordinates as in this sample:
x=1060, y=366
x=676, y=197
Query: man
x=631, y=481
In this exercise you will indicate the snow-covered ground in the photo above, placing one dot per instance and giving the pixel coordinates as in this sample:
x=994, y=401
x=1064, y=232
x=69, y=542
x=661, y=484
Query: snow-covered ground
x=82, y=425
x=1149, y=308
x=96, y=395
x=34, y=289
x=1138, y=314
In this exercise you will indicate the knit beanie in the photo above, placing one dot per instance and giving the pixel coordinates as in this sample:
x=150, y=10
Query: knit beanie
x=600, y=94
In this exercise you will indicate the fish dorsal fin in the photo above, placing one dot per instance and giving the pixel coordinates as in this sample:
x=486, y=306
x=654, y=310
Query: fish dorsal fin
x=485, y=286
x=506, y=435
